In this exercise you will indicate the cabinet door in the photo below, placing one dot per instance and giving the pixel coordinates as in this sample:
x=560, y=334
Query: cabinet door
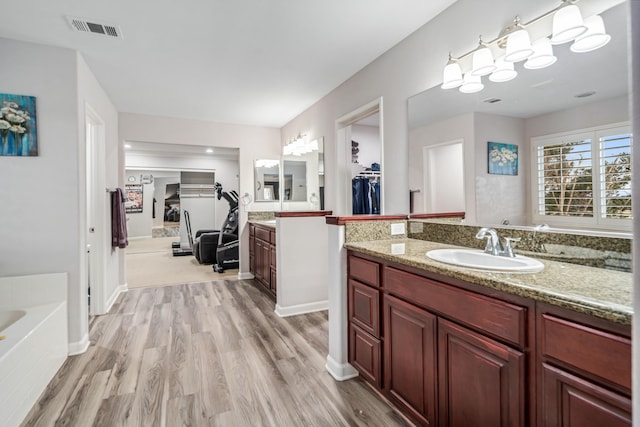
x=364, y=307
x=364, y=355
x=482, y=382
x=410, y=358
x=570, y=401
x=259, y=260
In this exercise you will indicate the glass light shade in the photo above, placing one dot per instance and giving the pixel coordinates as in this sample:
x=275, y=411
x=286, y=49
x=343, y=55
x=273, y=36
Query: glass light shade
x=567, y=24
x=518, y=46
x=452, y=76
x=504, y=71
x=594, y=38
x=471, y=84
x=542, y=55
x=482, y=62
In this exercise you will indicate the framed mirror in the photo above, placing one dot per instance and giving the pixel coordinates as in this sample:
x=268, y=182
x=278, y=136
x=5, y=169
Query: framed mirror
x=580, y=91
x=303, y=178
x=267, y=180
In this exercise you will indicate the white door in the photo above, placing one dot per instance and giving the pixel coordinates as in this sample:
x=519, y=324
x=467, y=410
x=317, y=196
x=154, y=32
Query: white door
x=443, y=169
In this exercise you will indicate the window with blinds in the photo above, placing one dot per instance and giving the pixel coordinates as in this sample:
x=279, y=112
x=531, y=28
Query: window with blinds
x=584, y=177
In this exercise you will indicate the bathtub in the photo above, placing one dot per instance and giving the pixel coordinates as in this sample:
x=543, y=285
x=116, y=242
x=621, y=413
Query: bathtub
x=34, y=343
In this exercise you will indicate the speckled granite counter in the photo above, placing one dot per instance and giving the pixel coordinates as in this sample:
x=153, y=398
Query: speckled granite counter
x=602, y=293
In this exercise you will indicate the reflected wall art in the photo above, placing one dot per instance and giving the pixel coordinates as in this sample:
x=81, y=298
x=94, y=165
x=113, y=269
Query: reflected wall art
x=503, y=158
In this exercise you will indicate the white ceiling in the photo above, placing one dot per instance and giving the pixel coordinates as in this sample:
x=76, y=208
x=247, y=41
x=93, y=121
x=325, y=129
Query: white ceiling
x=233, y=61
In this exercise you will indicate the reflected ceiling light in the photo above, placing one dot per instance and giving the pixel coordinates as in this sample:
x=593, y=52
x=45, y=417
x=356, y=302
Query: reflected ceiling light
x=267, y=163
x=542, y=55
x=595, y=37
x=209, y=150
x=452, y=75
x=471, y=84
x=127, y=146
x=518, y=46
x=482, y=60
x=567, y=25
x=504, y=71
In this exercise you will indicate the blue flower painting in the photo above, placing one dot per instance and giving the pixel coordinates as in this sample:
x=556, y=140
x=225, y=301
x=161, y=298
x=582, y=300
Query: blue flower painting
x=18, y=130
x=503, y=158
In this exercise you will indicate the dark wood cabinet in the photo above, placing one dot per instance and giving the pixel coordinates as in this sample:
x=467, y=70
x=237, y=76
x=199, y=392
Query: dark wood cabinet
x=410, y=358
x=585, y=371
x=262, y=256
x=452, y=354
x=482, y=382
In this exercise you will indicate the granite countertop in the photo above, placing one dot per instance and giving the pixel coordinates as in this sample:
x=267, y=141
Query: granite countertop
x=271, y=223
x=602, y=293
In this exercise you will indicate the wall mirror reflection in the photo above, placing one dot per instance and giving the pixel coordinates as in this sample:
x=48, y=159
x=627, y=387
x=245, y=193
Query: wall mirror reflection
x=580, y=92
x=267, y=180
x=303, y=174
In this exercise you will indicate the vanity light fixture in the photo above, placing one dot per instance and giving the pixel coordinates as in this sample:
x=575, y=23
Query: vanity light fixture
x=298, y=146
x=542, y=55
x=266, y=163
x=594, y=38
x=567, y=25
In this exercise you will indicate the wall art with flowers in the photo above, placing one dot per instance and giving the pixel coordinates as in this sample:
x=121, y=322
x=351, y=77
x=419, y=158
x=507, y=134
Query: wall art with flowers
x=503, y=158
x=18, y=130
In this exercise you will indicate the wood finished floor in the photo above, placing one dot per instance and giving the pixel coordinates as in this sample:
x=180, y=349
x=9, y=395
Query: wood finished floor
x=205, y=354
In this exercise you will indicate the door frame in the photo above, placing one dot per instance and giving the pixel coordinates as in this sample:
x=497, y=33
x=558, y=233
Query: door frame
x=97, y=207
x=426, y=173
x=343, y=155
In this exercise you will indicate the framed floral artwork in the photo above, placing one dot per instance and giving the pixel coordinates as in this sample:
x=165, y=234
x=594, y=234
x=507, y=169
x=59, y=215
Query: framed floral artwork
x=503, y=158
x=18, y=130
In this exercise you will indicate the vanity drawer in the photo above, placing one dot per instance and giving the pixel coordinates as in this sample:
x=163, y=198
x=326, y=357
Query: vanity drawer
x=364, y=307
x=262, y=234
x=598, y=352
x=365, y=271
x=498, y=318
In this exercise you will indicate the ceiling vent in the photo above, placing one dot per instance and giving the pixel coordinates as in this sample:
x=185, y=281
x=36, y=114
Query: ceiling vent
x=98, y=28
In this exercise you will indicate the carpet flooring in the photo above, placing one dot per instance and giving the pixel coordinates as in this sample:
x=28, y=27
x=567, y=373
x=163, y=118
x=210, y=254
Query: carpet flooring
x=150, y=262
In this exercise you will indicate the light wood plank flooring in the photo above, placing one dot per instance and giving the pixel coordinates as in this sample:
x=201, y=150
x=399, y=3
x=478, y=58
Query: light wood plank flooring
x=205, y=354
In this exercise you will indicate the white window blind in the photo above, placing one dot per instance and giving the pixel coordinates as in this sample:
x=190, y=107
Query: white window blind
x=584, y=178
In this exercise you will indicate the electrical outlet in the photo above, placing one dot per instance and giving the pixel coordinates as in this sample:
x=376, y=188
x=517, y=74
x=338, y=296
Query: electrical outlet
x=397, y=228
x=416, y=227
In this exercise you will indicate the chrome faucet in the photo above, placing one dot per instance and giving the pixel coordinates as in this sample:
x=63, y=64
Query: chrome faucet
x=494, y=245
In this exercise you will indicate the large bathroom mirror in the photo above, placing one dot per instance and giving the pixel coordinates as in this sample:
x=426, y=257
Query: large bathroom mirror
x=579, y=91
x=267, y=180
x=303, y=179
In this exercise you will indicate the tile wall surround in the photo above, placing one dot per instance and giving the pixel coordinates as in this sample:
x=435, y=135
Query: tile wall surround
x=261, y=215
x=372, y=230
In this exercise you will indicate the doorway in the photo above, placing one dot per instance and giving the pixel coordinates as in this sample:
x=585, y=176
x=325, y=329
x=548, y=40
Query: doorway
x=443, y=166
x=96, y=208
x=366, y=120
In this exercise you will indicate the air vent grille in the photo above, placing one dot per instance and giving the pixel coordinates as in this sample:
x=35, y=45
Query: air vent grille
x=98, y=28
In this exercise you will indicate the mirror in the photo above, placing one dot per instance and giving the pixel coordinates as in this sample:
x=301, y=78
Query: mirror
x=267, y=180
x=295, y=180
x=579, y=91
x=303, y=179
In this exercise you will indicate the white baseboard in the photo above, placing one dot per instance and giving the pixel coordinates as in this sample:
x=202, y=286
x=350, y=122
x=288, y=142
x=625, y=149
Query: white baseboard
x=120, y=289
x=294, y=310
x=79, y=347
x=340, y=371
x=139, y=237
x=245, y=276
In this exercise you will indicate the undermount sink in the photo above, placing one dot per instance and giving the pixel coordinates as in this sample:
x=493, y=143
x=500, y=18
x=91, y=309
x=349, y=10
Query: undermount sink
x=477, y=259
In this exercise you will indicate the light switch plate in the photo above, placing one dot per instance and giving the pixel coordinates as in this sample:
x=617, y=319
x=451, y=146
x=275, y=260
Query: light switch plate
x=397, y=228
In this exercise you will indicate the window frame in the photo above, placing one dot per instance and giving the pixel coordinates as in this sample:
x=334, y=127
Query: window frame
x=596, y=221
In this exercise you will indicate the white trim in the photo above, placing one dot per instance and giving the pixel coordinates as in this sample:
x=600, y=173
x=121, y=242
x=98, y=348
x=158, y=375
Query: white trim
x=245, y=276
x=340, y=371
x=112, y=299
x=141, y=237
x=294, y=310
x=79, y=347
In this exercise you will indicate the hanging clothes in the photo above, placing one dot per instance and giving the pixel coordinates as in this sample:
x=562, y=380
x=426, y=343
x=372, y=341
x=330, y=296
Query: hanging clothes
x=365, y=196
x=118, y=220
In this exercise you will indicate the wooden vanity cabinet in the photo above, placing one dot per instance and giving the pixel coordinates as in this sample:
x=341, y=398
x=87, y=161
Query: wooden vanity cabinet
x=365, y=347
x=262, y=256
x=584, y=370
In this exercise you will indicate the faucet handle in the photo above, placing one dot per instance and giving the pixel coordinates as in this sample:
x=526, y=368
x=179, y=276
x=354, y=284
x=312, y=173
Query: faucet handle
x=508, y=250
